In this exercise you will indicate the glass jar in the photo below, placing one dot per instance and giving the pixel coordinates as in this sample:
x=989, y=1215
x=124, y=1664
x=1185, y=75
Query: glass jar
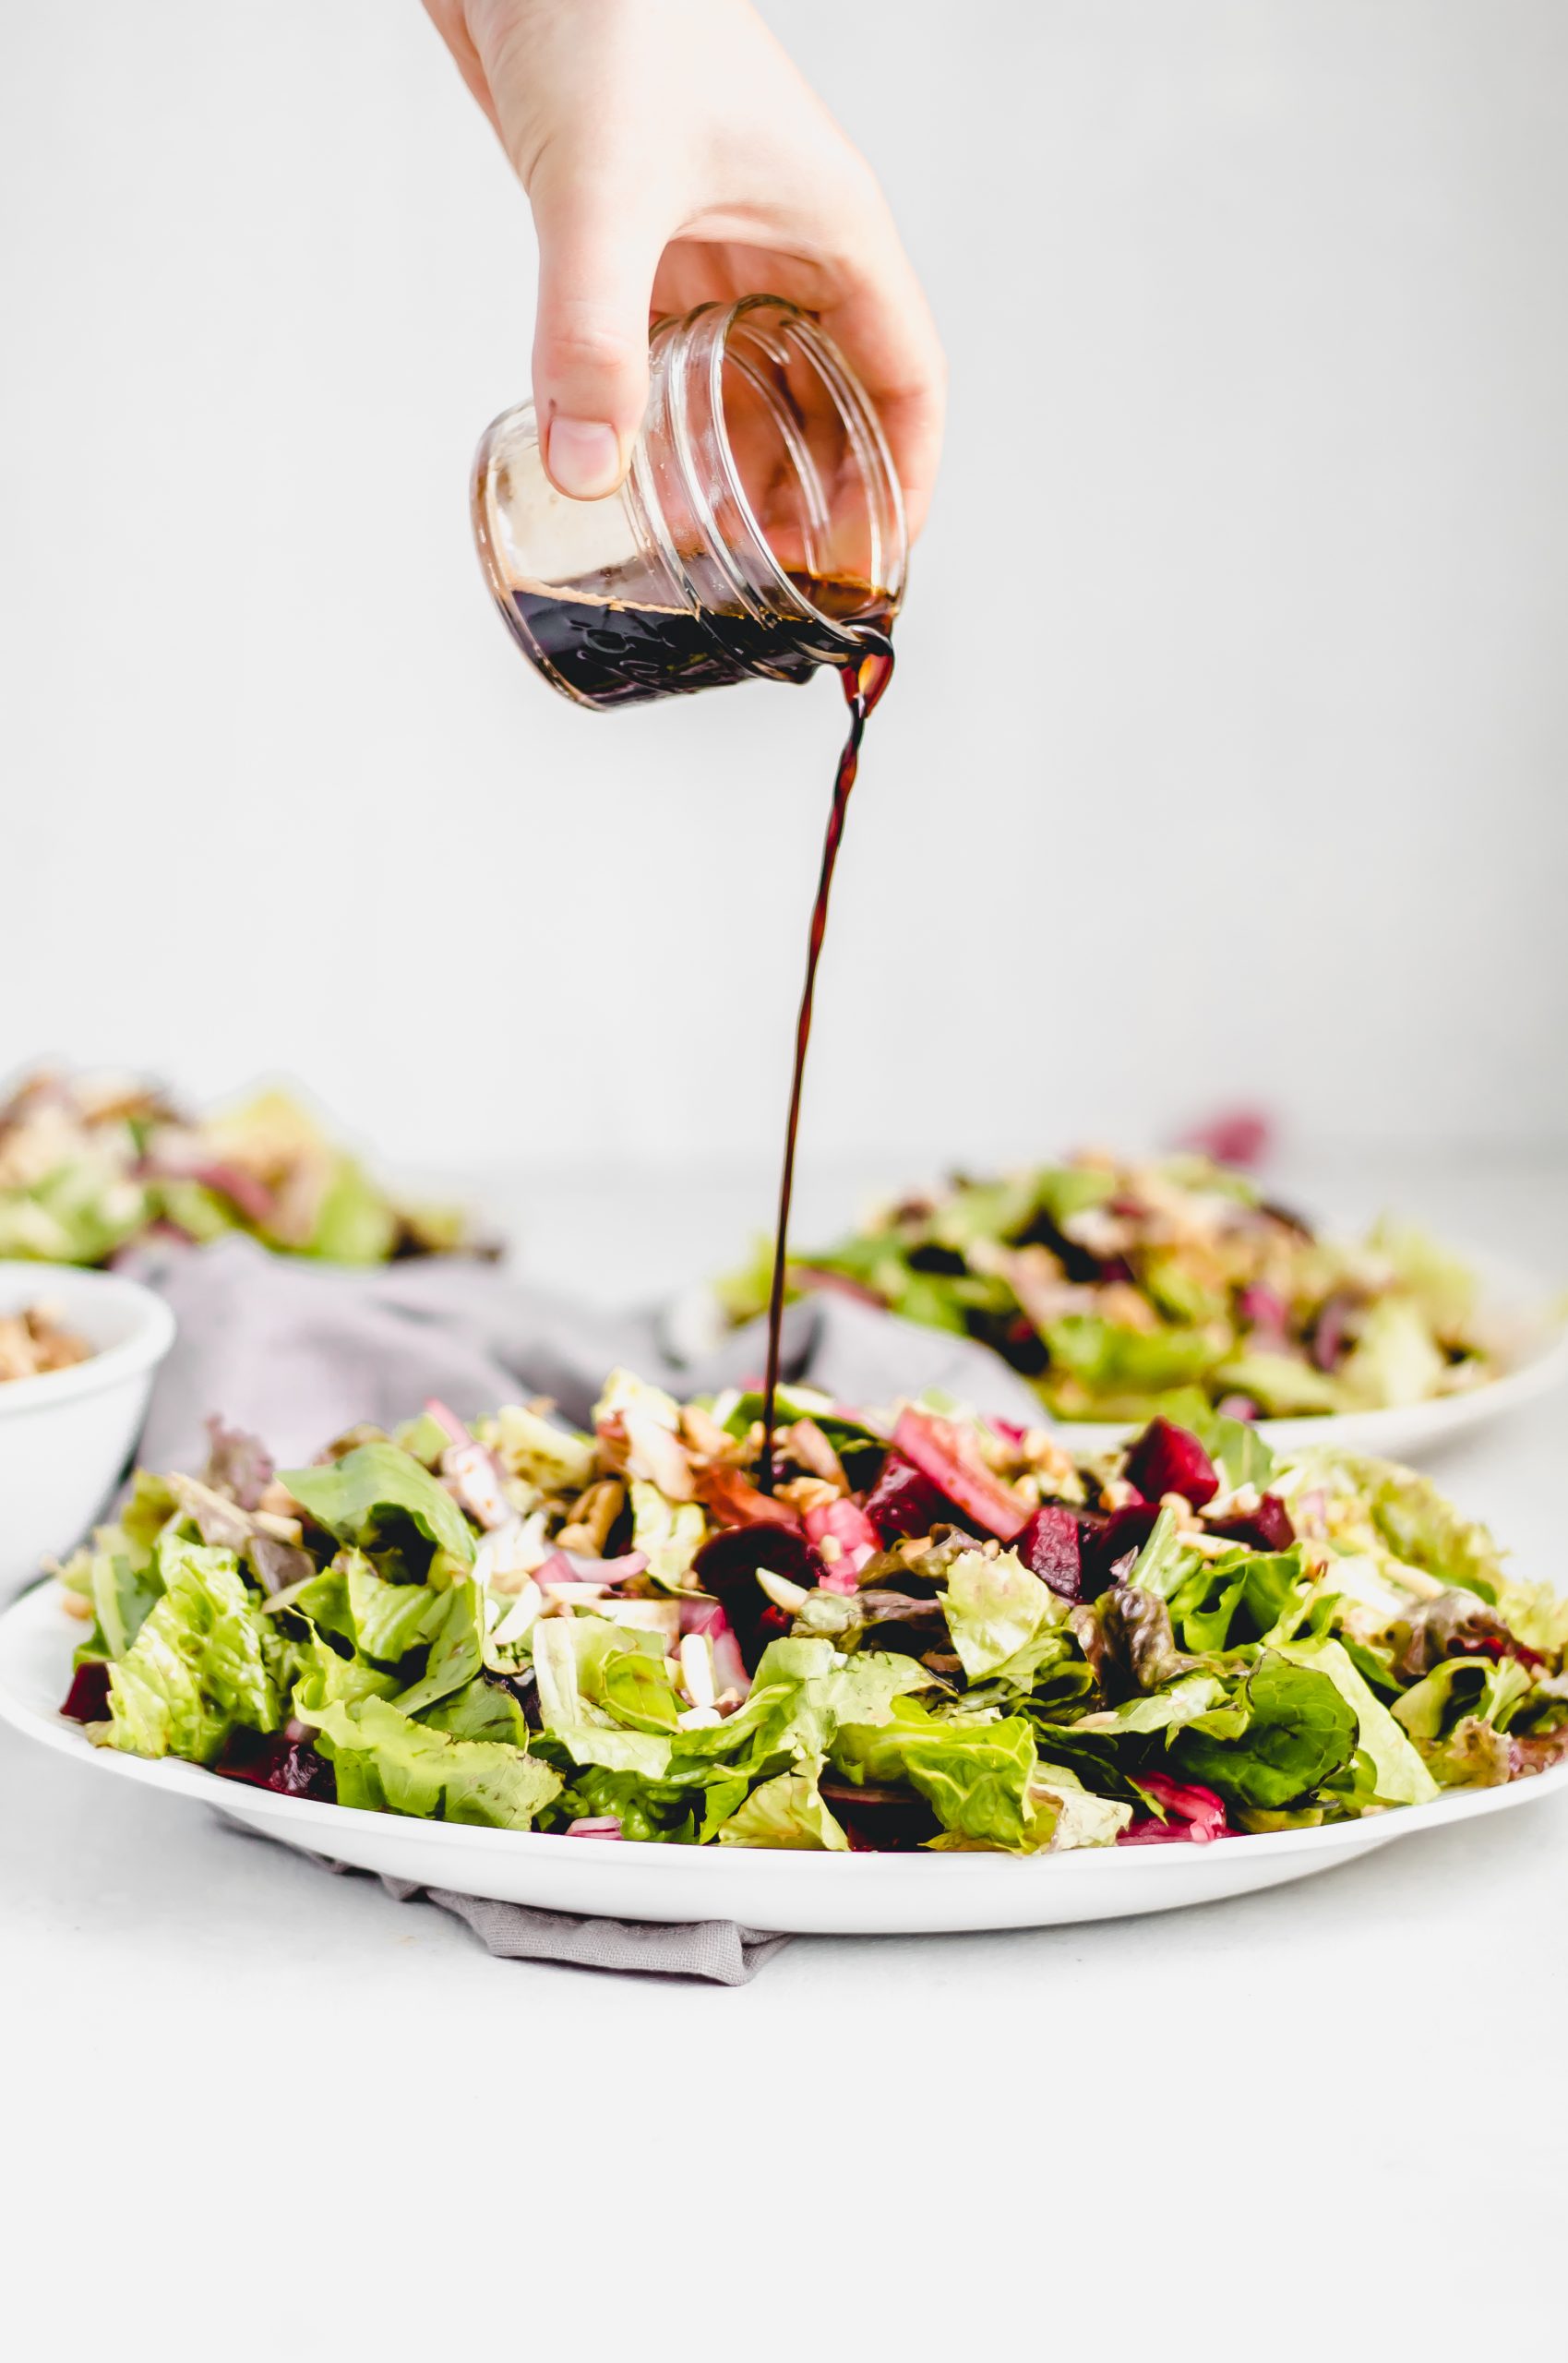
x=759, y=522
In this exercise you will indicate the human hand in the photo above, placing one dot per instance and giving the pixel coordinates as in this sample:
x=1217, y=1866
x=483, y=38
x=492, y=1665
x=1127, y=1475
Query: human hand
x=672, y=156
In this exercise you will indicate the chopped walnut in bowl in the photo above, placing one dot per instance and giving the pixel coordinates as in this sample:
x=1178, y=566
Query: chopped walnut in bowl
x=34, y=1340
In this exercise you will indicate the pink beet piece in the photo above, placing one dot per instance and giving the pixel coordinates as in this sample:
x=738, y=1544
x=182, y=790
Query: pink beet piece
x=87, y=1700
x=941, y=1452
x=1268, y=1528
x=1049, y=1546
x=902, y=1503
x=1167, y=1459
x=845, y=1523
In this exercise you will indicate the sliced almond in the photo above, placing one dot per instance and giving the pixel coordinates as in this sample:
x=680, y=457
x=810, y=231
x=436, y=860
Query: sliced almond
x=696, y=1669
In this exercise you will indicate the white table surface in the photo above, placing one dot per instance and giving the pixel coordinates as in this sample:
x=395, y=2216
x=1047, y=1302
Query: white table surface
x=250, y=2109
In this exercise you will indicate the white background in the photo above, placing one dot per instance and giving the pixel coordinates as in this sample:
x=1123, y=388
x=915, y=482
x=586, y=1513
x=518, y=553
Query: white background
x=1259, y=346
x=1227, y=758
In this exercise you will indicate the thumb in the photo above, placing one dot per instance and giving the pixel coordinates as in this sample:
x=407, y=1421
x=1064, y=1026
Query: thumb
x=596, y=266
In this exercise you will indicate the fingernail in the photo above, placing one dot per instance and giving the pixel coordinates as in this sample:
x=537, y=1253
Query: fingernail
x=583, y=457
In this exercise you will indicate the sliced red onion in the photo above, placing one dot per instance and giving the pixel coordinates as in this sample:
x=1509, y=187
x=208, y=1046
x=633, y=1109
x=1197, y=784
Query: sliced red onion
x=596, y=1824
x=254, y=1199
x=1264, y=1311
x=446, y=1420
x=589, y=1570
x=1238, y=1407
x=475, y=1480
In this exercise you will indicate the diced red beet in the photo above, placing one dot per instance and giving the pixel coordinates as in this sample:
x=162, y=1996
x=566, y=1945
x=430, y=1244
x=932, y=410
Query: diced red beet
x=87, y=1700
x=726, y=1567
x=1050, y=1545
x=1167, y=1459
x=941, y=1451
x=903, y=1501
x=290, y=1768
x=1104, y=1544
x=1184, y=1801
x=1268, y=1528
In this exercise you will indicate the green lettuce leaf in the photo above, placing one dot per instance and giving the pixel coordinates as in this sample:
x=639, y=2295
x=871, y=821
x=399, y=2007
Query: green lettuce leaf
x=1279, y=1383
x=995, y=1607
x=1486, y=1690
x=557, y=1459
x=1163, y=1710
x=1285, y=1731
x=571, y=1656
x=1395, y=1359
x=1164, y=1563
x=387, y=1763
x=480, y=1710
x=1402, y=1778
x=789, y=1810
x=388, y=1620
x=455, y=1652
x=352, y=1499
x=1443, y=1286
x=1234, y=1446
x=324, y=1678
x=354, y=1222
x=1239, y=1598
x=1064, y=1815
x=1105, y=1358
x=122, y=1599
x=975, y=1776
x=201, y=1662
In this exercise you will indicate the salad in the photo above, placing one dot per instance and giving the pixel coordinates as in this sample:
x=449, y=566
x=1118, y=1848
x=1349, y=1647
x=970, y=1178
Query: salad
x=1110, y=1284
x=932, y=1631
x=89, y=1166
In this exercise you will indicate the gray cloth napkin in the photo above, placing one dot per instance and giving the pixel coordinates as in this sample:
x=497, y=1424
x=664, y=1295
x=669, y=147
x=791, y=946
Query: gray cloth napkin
x=716, y=1950
x=298, y=1353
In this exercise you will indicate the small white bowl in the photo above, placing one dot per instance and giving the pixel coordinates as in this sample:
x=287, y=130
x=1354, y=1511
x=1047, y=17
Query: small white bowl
x=66, y=1436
